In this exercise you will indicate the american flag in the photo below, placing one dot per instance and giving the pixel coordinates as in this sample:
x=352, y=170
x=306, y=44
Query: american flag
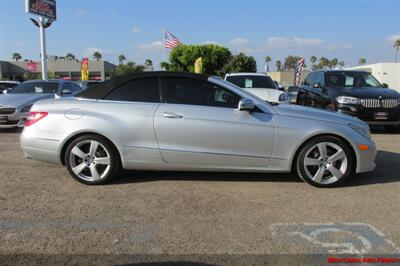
x=297, y=71
x=170, y=41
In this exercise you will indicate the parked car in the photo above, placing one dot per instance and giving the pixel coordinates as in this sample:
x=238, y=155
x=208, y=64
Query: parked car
x=292, y=93
x=7, y=85
x=15, y=105
x=191, y=122
x=260, y=84
x=355, y=93
x=84, y=84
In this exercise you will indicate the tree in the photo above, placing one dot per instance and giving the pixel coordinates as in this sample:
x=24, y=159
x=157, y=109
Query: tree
x=240, y=63
x=313, y=60
x=214, y=57
x=16, y=56
x=129, y=68
x=97, y=55
x=323, y=63
x=396, y=45
x=362, y=61
x=333, y=63
x=165, y=65
x=70, y=56
x=267, y=60
x=121, y=58
x=278, y=65
x=290, y=62
x=149, y=65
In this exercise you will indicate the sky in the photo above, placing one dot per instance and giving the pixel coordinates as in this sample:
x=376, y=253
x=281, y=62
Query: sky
x=347, y=30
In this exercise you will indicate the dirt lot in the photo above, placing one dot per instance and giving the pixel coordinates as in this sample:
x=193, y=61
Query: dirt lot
x=44, y=211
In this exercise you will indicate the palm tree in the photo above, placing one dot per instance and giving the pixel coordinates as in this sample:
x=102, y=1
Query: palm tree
x=278, y=65
x=97, y=55
x=323, y=63
x=16, y=56
x=149, y=64
x=397, y=46
x=313, y=59
x=333, y=63
x=362, y=61
x=70, y=56
x=121, y=58
x=267, y=60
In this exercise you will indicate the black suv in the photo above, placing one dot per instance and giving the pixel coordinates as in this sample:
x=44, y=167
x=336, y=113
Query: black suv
x=355, y=93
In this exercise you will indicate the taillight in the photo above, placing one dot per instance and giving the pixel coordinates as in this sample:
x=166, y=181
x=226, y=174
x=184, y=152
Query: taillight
x=33, y=117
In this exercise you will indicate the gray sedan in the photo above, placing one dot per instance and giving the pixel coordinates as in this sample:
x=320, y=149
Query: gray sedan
x=15, y=104
x=189, y=122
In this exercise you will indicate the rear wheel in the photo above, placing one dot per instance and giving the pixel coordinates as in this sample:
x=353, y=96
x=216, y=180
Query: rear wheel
x=92, y=160
x=324, y=162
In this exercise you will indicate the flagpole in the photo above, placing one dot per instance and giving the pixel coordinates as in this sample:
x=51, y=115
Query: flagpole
x=163, y=55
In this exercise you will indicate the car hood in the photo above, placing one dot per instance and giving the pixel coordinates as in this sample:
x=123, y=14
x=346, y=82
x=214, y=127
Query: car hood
x=317, y=114
x=369, y=92
x=20, y=99
x=270, y=95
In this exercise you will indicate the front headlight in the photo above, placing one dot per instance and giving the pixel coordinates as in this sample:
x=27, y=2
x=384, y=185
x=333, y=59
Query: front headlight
x=347, y=100
x=361, y=130
x=283, y=97
x=26, y=108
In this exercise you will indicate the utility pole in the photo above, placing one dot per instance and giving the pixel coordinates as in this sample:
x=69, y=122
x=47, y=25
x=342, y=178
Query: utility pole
x=43, y=47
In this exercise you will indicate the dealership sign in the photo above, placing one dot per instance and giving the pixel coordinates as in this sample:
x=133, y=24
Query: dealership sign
x=44, y=8
x=31, y=66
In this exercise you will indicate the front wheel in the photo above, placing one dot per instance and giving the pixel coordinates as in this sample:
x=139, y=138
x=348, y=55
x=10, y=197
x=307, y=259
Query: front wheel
x=324, y=162
x=92, y=160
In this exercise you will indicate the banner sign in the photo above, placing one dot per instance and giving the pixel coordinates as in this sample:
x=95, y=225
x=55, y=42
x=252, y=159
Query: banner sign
x=45, y=8
x=85, y=69
x=198, y=65
x=31, y=66
x=297, y=72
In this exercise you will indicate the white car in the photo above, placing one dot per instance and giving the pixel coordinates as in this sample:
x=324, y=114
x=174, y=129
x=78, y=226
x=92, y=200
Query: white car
x=259, y=84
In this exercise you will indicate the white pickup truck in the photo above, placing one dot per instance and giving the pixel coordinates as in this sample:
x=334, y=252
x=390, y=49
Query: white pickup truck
x=259, y=84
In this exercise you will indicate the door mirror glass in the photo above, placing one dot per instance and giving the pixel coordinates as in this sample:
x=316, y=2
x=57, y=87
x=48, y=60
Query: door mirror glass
x=246, y=105
x=384, y=85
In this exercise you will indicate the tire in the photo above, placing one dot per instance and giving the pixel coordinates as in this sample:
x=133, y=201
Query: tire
x=92, y=160
x=325, y=171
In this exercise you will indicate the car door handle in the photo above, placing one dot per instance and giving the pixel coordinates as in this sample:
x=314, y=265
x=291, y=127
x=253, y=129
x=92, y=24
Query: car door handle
x=172, y=115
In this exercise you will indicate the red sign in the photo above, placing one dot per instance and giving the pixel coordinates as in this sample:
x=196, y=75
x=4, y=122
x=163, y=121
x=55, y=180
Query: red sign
x=31, y=66
x=45, y=8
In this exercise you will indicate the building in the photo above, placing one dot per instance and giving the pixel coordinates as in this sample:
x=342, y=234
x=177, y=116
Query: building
x=61, y=67
x=388, y=73
x=286, y=77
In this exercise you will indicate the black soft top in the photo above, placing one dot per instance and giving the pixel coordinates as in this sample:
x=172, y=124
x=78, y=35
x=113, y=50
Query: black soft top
x=100, y=90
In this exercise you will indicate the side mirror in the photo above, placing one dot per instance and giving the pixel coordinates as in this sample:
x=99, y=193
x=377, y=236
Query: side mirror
x=384, y=85
x=317, y=85
x=66, y=92
x=246, y=105
x=281, y=87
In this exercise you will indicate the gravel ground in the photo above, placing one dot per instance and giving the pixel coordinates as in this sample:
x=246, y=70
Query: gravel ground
x=44, y=211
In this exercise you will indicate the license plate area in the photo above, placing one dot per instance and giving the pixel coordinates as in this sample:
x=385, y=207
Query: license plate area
x=381, y=115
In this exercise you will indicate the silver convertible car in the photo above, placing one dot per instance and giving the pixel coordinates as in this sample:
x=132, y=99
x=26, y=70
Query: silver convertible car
x=190, y=122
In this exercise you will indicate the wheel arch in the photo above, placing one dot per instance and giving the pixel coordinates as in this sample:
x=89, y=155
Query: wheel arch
x=309, y=138
x=80, y=134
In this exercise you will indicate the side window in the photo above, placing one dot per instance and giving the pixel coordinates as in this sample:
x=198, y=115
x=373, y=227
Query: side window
x=66, y=86
x=75, y=88
x=140, y=90
x=197, y=92
x=307, y=81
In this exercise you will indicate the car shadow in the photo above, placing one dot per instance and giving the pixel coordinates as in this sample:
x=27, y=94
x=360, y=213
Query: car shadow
x=11, y=130
x=378, y=130
x=387, y=171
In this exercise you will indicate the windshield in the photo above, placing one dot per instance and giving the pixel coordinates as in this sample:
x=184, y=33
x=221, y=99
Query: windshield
x=7, y=85
x=350, y=79
x=252, y=81
x=36, y=87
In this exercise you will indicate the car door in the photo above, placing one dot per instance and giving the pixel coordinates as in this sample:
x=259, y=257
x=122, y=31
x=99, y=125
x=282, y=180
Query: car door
x=318, y=93
x=198, y=124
